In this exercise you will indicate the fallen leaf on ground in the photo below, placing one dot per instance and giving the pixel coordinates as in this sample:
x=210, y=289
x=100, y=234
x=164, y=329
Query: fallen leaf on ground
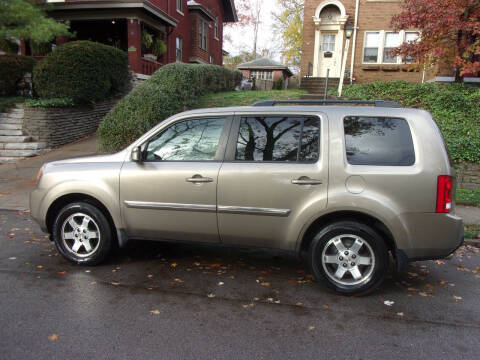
x=310, y=328
x=413, y=274
x=221, y=283
x=174, y=265
x=53, y=337
x=39, y=267
x=442, y=282
x=12, y=258
x=412, y=289
x=400, y=313
x=421, y=293
x=115, y=283
x=248, y=305
x=457, y=298
x=299, y=303
x=439, y=262
x=389, y=303
x=211, y=295
x=325, y=306
x=154, y=312
x=62, y=272
x=266, y=284
x=87, y=271
x=150, y=276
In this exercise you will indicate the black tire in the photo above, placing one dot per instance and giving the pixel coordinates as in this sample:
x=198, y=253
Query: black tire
x=100, y=246
x=324, y=269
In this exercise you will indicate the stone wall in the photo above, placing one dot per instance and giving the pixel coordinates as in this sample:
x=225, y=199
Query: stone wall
x=468, y=175
x=59, y=126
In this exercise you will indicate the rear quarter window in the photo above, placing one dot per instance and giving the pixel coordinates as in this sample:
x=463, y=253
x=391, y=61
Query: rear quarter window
x=378, y=141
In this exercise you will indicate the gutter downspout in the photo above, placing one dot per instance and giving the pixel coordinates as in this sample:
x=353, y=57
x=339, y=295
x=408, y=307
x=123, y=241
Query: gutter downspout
x=355, y=27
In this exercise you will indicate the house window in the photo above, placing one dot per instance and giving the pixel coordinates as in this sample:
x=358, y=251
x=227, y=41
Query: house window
x=203, y=33
x=370, y=52
x=178, y=47
x=328, y=42
x=409, y=38
x=212, y=59
x=216, y=27
x=179, y=6
x=392, y=40
x=379, y=44
x=261, y=74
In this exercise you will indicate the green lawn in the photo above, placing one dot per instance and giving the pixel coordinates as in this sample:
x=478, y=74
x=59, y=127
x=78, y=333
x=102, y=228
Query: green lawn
x=8, y=102
x=245, y=98
x=468, y=197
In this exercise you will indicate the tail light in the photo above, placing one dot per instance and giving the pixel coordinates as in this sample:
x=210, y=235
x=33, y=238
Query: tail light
x=444, y=193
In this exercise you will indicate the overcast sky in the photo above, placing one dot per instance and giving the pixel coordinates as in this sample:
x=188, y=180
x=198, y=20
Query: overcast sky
x=242, y=38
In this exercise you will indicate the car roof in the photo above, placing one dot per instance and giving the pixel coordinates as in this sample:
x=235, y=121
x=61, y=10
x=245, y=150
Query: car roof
x=325, y=109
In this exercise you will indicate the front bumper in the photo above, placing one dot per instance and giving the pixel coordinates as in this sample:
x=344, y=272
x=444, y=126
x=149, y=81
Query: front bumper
x=36, y=197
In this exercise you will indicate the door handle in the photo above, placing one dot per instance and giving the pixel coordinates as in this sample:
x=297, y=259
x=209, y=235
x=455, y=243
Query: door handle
x=199, y=179
x=306, y=181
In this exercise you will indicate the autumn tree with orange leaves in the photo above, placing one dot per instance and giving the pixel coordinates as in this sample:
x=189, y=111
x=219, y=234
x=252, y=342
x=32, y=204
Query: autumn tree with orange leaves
x=450, y=31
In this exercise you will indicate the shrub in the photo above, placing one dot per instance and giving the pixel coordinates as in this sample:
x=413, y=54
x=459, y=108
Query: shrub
x=172, y=89
x=278, y=84
x=455, y=107
x=12, y=70
x=83, y=71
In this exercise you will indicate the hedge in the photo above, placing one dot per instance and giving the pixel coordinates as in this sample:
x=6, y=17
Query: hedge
x=12, y=70
x=455, y=107
x=83, y=71
x=172, y=89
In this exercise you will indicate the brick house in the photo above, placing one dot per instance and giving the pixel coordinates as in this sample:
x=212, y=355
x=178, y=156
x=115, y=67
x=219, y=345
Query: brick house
x=191, y=30
x=368, y=58
x=265, y=69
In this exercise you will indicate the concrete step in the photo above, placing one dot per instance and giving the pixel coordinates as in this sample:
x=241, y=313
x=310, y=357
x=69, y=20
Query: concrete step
x=23, y=146
x=9, y=120
x=6, y=159
x=21, y=153
x=15, y=139
x=18, y=114
x=11, y=132
x=10, y=126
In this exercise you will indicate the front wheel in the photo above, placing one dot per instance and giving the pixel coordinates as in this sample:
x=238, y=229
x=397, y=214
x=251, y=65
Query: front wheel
x=349, y=257
x=82, y=234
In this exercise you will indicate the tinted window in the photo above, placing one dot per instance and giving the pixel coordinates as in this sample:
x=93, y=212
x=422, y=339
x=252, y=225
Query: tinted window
x=378, y=141
x=278, y=139
x=189, y=140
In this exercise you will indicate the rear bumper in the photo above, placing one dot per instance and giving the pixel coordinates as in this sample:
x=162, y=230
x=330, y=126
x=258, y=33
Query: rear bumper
x=431, y=235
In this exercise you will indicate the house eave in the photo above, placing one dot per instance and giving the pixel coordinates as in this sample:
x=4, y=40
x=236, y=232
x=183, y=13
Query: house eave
x=105, y=4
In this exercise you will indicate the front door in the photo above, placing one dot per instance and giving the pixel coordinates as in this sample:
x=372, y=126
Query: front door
x=276, y=166
x=329, y=58
x=172, y=192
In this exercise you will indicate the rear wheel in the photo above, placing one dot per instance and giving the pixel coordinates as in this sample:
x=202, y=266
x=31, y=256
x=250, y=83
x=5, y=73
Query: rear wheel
x=349, y=257
x=82, y=234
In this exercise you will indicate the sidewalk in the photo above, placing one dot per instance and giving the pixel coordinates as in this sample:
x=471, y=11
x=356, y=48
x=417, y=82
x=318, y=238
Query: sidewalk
x=18, y=179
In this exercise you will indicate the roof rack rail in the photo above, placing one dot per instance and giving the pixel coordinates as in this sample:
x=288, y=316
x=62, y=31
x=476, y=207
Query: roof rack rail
x=377, y=103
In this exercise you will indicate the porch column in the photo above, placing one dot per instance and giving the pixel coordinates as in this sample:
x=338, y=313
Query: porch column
x=23, y=48
x=316, y=48
x=134, y=44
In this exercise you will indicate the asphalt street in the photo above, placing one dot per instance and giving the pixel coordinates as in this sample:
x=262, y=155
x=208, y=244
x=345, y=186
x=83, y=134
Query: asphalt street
x=171, y=301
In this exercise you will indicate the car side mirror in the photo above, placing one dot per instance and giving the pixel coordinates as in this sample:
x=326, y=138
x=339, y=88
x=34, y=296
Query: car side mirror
x=136, y=154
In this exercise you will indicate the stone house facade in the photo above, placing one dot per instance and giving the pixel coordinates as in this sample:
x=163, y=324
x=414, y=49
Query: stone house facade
x=368, y=56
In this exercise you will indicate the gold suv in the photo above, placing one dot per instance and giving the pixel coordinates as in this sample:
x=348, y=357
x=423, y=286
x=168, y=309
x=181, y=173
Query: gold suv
x=342, y=185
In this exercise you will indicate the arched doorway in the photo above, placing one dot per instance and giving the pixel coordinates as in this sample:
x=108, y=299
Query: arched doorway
x=330, y=18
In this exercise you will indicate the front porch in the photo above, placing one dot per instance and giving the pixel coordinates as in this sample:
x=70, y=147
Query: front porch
x=135, y=28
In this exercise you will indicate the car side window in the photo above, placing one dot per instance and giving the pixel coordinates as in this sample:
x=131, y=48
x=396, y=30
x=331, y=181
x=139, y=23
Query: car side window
x=379, y=141
x=188, y=140
x=278, y=138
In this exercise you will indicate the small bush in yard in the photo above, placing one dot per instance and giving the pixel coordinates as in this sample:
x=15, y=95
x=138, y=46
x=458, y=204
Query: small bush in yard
x=455, y=107
x=172, y=89
x=83, y=71
x=12, y=70
x=279, y=84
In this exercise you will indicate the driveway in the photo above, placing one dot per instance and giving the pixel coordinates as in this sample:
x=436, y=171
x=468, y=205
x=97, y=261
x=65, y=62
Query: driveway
x=161, y=301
